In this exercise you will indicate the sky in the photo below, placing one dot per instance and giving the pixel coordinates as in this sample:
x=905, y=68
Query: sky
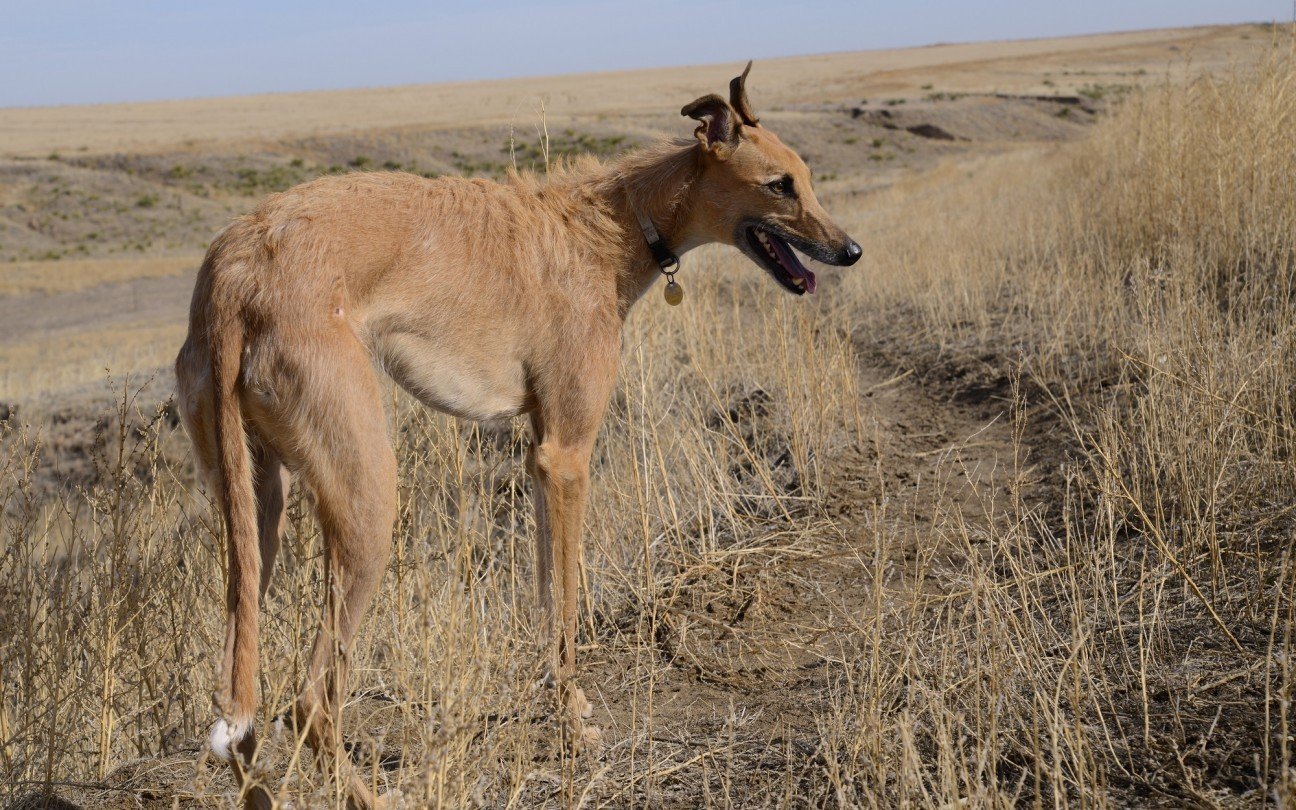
x=90, y=51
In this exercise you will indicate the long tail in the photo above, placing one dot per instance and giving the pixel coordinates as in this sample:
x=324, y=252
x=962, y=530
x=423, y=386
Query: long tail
x=236, y=694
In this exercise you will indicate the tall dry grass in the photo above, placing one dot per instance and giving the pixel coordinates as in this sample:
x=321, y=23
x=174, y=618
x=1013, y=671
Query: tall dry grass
x=769, y=620
x=713, y=468
x=1126, y=637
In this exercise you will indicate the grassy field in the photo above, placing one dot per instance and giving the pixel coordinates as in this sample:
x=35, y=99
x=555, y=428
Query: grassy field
x=1001, y=518
x=147, y=185
x=1020, y=66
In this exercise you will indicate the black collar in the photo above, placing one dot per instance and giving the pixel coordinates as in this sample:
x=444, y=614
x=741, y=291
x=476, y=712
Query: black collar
x=661, y=253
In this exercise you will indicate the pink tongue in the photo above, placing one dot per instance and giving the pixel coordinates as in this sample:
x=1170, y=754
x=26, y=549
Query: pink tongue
x=792, y=264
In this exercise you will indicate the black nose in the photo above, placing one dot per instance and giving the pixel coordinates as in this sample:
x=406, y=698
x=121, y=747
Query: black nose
x=850, y=253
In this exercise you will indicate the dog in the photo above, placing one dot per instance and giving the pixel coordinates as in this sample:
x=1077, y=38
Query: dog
x=482, y=299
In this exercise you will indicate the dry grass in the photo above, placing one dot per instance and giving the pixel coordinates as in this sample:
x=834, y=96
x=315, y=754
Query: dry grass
x=681, y=495
x=1088, y=602
x=81, y=358
x=1129, y=636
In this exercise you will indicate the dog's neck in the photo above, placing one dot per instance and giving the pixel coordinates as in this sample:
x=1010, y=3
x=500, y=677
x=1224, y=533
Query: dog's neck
x=656, y=184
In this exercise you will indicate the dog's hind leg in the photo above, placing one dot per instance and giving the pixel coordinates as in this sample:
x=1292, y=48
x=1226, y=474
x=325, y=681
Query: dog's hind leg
x=271, y=481
x=328, y=411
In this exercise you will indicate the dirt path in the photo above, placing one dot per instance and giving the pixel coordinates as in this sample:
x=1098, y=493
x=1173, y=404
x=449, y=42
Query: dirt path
x=748, y=676
x=142, y=299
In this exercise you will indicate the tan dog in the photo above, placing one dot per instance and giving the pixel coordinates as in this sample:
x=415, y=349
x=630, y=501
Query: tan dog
x=484, y=300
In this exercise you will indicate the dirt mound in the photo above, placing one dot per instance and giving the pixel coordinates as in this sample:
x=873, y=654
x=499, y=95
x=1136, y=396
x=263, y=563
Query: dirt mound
x=983, y=118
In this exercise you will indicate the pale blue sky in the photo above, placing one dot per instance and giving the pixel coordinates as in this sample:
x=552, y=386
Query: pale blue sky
x=78, y=51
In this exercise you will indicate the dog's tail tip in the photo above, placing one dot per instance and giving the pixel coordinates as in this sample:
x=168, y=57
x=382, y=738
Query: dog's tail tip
x=224, y=738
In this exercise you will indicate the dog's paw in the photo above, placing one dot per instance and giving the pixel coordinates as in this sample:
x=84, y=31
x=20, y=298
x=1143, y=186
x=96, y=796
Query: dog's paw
x=580, y=704
x=583, y=738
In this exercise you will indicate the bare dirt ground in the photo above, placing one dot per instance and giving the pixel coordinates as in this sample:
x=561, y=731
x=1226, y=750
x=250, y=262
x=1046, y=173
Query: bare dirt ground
x=99, y=307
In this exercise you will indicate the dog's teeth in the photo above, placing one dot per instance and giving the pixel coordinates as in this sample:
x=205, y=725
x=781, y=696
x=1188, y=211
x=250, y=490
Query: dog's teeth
x=800, y=282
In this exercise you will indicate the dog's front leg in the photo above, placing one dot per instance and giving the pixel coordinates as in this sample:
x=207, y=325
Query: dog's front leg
x=562, y=471
x=543, y=543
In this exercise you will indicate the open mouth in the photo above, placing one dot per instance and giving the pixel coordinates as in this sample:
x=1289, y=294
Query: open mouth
x=775, y=254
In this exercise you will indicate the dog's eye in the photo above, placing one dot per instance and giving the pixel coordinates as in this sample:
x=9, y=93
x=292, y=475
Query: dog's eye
x=781, y=186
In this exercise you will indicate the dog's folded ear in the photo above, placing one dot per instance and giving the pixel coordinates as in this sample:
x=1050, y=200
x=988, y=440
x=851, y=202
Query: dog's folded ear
x=719, y=130
x=738, y=98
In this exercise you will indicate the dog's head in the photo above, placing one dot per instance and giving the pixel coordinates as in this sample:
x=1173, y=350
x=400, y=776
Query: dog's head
x=757, y=195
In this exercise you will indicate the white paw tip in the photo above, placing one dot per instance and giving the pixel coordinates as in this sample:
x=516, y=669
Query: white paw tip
x=224, y=737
